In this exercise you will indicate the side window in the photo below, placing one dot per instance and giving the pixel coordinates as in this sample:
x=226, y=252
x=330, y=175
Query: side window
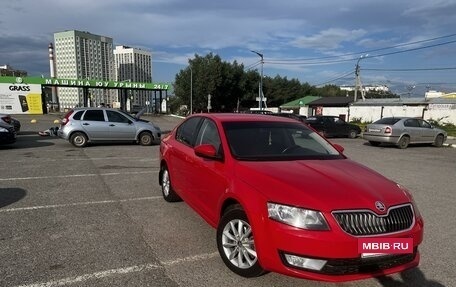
x=77, y=116
x=425, y=124
x=116, y=117
x=208, y=134
x=94, y=115
x=186, y=132
x=413, y=123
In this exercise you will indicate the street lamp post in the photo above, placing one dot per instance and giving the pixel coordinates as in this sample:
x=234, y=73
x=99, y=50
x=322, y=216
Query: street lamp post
x=358, y=84
x=261, y=79
x=191, y=89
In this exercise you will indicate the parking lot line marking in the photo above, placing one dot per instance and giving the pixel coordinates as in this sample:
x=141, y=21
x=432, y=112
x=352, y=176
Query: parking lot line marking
x=77, y=175
x=125, y=270
x=78, y=204
x=190, y=259
x=96, y=275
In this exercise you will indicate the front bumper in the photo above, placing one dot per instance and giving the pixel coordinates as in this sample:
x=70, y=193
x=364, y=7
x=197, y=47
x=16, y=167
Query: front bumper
x=337, y=249
x=7, y=138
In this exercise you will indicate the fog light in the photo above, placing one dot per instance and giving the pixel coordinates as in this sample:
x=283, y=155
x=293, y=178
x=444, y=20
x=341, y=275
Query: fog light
x=302, y=262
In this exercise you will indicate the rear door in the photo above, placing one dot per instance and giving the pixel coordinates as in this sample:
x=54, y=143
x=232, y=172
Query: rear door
x=120, y=127
x=94, y=124
x=412, y=127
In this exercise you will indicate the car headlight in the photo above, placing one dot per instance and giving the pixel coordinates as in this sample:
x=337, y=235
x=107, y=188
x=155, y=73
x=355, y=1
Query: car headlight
x=3, y=130
x=297, y=217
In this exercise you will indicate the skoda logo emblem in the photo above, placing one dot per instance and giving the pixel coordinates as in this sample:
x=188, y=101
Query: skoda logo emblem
x=19, y=80
x=380, y=206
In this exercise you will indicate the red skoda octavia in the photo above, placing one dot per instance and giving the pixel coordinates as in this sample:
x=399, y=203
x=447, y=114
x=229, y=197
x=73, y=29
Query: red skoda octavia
x=284, y=199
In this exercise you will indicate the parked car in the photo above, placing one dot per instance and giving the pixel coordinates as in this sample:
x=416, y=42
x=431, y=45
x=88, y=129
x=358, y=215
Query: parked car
x=7, y=133
x=8, y=119
x=81, y=126
x=262, y=112
x=332, y=126
x=285, y=199
x=402, y=131
x=291, y=116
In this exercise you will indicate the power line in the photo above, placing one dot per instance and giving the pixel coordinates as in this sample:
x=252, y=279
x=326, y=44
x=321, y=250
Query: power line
x=411, y=69
x=335, y=79
x=251, y=66
x=363, y=52
x=354, y=59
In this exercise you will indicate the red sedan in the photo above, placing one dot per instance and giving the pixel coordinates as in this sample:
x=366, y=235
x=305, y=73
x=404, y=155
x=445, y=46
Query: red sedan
x=284, y=199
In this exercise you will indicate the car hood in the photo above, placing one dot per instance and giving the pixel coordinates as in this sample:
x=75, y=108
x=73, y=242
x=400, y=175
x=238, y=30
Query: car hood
x=325, y=185
x=140, y=113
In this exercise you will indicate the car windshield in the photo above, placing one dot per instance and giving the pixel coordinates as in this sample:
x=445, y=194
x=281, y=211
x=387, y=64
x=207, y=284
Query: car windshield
x=276, y=141
x=387, y=121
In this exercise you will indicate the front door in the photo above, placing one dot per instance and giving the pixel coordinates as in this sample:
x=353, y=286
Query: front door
x=120, y=127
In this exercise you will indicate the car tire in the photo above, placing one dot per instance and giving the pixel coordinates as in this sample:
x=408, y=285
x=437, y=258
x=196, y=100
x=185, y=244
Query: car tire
x=352, y=134
x=373, y=143
x=145, y=138
x=79, y=139
x=439, y=139
x=403, y=142
x=167, y=189
x=238, y=250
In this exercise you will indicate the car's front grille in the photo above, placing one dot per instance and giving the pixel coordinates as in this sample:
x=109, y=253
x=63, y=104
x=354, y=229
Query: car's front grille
x=364, y=222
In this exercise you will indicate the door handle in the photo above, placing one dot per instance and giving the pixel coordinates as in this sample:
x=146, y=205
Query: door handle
x=112, y=125
x=86, y=124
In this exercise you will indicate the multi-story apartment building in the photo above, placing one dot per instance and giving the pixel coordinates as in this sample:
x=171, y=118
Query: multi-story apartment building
x=134, y=65
x=82, y=55
x=7, y=70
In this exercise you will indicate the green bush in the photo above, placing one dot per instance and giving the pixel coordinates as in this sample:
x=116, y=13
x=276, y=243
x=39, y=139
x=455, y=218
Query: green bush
x=448, y=127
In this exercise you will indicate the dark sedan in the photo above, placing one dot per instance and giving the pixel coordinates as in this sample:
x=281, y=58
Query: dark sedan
x=332, y=126
x=7, y=134
x=5, y=118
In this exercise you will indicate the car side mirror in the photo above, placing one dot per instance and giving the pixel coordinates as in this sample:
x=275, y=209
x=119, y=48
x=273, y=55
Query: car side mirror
x=339, y=148
x=207, y=151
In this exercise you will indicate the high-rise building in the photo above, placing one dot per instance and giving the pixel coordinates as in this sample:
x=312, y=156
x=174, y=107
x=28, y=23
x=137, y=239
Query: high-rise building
x=7, y=70
x=134, y=65
x=84, y=56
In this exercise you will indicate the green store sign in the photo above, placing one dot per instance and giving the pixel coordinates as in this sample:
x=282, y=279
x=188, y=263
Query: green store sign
x=85, y=83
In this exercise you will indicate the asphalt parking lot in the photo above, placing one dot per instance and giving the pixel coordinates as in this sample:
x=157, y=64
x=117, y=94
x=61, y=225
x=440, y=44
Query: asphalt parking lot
x=95, y=216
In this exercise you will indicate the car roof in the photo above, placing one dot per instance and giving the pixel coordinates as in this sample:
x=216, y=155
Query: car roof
x=240, y=117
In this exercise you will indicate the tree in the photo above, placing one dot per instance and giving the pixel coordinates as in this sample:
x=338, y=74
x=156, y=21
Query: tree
x=224, y=81
x=229, y=85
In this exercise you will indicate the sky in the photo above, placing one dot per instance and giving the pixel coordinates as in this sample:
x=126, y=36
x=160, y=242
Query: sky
x=410, y=46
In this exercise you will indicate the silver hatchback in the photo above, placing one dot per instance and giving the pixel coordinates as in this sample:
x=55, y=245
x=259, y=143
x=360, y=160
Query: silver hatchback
x=81, y=126
x=402, y=131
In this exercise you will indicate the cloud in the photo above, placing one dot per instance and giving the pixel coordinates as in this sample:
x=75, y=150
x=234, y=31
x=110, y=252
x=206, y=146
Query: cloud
x=329, y=39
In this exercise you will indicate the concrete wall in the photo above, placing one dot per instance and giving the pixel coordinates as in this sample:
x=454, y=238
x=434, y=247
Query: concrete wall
x=445, y=114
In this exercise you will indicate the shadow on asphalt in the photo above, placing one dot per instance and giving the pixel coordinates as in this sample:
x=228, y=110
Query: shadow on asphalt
x=410, y=278
x=29, y=140
x=11, y=195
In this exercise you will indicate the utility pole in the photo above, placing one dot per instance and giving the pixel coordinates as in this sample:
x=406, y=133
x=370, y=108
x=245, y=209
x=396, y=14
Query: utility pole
x=358, y=84
x=261, y=80
x=191, y=89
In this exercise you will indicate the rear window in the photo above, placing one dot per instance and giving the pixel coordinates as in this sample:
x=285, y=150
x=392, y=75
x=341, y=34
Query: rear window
x=387, y=121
